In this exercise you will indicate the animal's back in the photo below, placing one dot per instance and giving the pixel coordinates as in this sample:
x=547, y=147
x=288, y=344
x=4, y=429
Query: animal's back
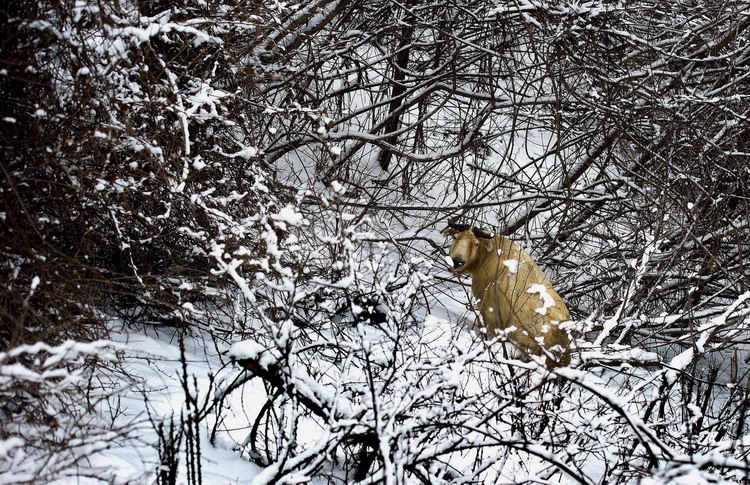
x=514, y=292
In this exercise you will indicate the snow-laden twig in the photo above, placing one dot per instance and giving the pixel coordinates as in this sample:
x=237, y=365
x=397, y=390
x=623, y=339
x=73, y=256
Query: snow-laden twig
x=705, y=333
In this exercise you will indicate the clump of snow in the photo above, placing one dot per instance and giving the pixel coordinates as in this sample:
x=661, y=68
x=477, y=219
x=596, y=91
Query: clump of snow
x=288, y=215
x=547, y=300
x=512, y=265
x=190, y=308
x=252, y=350
x=681, y=361
x=7, y=447
x=246, y=153
x=68, y=350
x=337, y=187
x=34, y=284
x=630, y=355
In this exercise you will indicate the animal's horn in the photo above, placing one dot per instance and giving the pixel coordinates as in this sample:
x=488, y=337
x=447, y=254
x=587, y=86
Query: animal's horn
x=459, y=227
x=481, y=234
x=454, y=229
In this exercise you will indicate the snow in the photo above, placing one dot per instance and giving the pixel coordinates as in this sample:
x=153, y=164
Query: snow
x=443, y=359
x=8, y=445
x=288, y=215
x=251, y=350
x=246, y=153
x=428, y=384
x=511, y=264
x=34, y=284
x=681, y=361
x=154, y=363
x=547, y=300
x=149, y=391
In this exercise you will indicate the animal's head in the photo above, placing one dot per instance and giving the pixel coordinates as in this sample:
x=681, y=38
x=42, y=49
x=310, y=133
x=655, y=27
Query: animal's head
x=468, y=245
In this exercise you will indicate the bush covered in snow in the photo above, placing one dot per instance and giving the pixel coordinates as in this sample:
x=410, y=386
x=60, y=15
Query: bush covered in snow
x=272, y=177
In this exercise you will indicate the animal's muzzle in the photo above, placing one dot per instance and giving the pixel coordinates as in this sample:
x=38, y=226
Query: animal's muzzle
x=457, y=264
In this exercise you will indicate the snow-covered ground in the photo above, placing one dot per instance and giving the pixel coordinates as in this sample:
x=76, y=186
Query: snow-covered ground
x=153, y=393
x=444, y=373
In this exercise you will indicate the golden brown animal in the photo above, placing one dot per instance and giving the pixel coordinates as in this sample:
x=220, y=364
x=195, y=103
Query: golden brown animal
x=513, y=292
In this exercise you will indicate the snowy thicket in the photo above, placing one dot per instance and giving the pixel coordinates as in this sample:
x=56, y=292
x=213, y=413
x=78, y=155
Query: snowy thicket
x=271, y=177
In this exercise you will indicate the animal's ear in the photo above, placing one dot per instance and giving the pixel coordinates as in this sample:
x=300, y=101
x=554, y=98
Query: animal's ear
x=485, y=238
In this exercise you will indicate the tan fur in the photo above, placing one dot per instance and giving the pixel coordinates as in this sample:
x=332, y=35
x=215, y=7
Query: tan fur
x=503, y=290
